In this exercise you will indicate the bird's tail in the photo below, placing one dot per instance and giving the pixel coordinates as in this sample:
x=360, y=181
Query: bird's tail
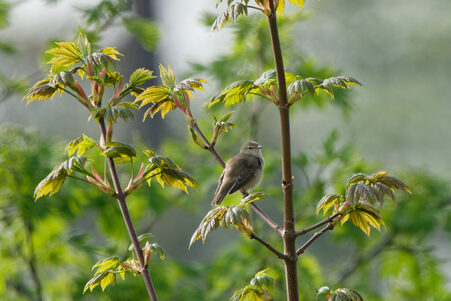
x=220, y=195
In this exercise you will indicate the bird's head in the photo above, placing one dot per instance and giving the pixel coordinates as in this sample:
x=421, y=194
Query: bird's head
x=252, y=148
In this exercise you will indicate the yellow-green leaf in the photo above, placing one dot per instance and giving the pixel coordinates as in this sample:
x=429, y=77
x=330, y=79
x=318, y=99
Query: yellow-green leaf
x=111, y=52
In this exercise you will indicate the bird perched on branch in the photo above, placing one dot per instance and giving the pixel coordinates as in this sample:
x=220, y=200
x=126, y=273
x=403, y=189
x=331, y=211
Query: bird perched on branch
x=242, y=172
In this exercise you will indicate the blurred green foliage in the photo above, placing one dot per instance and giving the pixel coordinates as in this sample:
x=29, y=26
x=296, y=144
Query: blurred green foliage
x=399, y=263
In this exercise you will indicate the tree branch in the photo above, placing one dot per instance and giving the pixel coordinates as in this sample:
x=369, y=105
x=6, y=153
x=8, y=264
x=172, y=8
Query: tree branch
x=315, y=236
x=267, y=245
x=289, y=238
x=317, y=225
x=120, y=197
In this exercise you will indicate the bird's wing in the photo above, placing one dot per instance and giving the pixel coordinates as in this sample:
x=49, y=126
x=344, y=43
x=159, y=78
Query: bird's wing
x=245, y=174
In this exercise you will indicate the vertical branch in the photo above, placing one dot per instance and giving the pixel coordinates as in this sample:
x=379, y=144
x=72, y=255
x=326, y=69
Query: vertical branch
x=120, y=196
x=289, y=237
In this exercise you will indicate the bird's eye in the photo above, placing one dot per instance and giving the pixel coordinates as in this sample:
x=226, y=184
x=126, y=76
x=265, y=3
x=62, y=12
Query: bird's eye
x=249, y=147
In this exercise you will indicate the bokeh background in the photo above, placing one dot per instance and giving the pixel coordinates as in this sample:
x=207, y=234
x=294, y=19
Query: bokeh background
x=398, y=120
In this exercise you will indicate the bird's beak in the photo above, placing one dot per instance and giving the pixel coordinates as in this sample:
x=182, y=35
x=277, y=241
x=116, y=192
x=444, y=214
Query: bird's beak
x=259, y=147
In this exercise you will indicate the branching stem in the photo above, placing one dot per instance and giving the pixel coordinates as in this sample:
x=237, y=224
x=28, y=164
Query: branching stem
x=267, y=245
x=315, y=236
x=120, y=196
x=317, y=225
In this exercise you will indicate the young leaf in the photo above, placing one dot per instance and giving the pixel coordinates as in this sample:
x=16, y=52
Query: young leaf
x=165, y=171
x=80, y=145
x=53, y=182
x=120, y=150
x=140, y=76
x=327, y=202
x=234, y=93
x=224, y=216
x=257, y=289
x=233, y=11
x=111, y=52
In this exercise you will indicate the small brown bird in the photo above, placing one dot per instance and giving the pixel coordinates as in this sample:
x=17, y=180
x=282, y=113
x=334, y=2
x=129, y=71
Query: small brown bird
x=242, y=172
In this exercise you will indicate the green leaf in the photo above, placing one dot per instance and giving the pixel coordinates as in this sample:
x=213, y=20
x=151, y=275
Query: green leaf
x=53, y=182
x=80, y=145
x=257, y=289
x=224, y=216
x=41, y=93
x=106, y=264
x=165, y=171
x=232, y=12
x=111, y=113
x=324, y=291
x=327, y=202
x=145, y=31
x=65, y=55
x=252, y=197
x=140, y=76
x=154, y=94
x=234, y=93
x=111, y=52
x=167, y=77
x=118, y=149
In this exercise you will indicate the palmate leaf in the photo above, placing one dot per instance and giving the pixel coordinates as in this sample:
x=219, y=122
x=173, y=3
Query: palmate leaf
x=111, y=113
x=257, y=289
x=327, y=202
x=111, y=52
x=41, y=92
x=167, y=77
x=234, y=93
x=225, y=217
x=340, y=294
x=140, y=76
x=191, y=84
x=80, y=145
x=365, y=216
x=233, y=11
x=53, y=182
x=373, y=188
x=344, y=82
x=121, y=151
x=166, y=172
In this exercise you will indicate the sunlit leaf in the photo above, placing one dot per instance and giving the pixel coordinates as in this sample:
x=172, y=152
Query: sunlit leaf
x=234, y=93
x=327, y=202
x=225, y=217
x=166, y=172
x=53, y=182
x=167, y=77
x=154, y=94
x=140, y=76
x=232, y=13
x=111, y=52
x=80, y=145
x=256, y=290
x=119, y=150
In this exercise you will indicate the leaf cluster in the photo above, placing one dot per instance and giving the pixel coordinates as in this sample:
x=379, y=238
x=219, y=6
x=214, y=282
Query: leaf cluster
x=257, y=288
x=362, y=192
x=170, y=95
x=108, y=269
x=226, y=216
x=340, y=294
x=266, y=87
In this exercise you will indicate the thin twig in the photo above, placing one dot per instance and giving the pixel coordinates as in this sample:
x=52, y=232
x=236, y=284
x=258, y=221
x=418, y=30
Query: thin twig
x=266, y=218
x=315, y=236
x=317, y=225
x=267, y=245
